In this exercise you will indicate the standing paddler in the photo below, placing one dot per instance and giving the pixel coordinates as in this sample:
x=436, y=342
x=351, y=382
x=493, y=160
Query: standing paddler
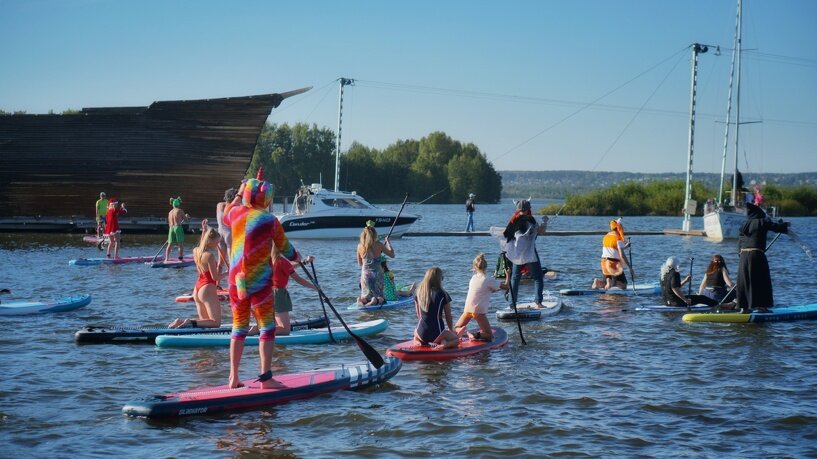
x=754, y=288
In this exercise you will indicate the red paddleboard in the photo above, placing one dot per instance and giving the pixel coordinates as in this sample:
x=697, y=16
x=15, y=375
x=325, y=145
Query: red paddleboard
x=408, y=350
x=297, y=386
x=223, y=295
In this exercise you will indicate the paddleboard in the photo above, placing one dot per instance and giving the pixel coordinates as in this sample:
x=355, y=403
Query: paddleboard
x=529, y=311
x=781, y=314
x=312, y=336
x=175, y=263
x=68, y=303
x=310, y=384
x=408, y=350
x=93, y=239
x=223, y=295
x=401, y=302
x=640, y=289
x=93, y=334
x=659, y=308
x=115, y=261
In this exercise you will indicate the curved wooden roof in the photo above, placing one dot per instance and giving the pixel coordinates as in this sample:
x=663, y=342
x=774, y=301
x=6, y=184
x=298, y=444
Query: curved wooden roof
x=56, y=165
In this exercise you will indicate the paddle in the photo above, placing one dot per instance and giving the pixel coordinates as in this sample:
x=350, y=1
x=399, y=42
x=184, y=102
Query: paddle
x=371, y=354
x=630, y=264
x=315, y=276
x=689, y=289
x=160, y=251
x=736, y=284
x=796, y=238
x=398, y=215
x=513, y=302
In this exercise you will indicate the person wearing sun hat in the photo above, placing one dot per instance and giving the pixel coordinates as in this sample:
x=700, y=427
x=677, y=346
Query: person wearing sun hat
x=470, y=207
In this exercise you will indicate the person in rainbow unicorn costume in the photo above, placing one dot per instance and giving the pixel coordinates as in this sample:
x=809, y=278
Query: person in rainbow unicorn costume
x=254, y=231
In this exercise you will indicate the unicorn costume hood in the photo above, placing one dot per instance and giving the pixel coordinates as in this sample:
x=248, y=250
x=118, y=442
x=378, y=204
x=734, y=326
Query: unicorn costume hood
x=257, y=194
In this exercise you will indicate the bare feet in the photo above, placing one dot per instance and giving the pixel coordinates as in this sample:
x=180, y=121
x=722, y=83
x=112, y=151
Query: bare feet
x=176, y=323
x=234, y=382
x=272, y=384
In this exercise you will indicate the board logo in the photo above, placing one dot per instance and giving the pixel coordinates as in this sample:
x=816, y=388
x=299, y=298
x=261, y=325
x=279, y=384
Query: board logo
x=187, y=411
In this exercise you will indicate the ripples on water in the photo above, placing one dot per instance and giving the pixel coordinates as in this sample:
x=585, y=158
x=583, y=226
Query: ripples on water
x=595, y=380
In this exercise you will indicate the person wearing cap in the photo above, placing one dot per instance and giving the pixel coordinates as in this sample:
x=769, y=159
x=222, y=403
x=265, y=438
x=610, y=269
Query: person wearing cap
x=613, y=259
x=101, y=210
x=519, y=245
x=175, y=233
x=470, y=207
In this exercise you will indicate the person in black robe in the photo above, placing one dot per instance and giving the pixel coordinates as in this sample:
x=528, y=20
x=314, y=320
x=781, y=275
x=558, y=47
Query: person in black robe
x=754, y=287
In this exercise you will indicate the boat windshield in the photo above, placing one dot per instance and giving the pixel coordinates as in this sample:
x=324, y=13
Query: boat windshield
x=345, y=202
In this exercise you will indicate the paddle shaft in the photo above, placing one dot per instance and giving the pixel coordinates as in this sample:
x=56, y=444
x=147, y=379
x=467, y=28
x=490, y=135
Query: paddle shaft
x=689, y=287
x=325, y=316
x=513, y=302
x=371, y=354
x=736, y=281
x=160, y=251
x=398, y=215
x=630, y=264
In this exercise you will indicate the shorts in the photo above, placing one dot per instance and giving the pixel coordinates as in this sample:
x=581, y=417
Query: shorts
x=175, y=234
x=611, y=267
x=281, y=300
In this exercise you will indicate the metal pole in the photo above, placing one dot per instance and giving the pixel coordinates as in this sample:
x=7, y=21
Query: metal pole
x=343, y=82
x=729, y=112
x=696, y=48
x=738, y=40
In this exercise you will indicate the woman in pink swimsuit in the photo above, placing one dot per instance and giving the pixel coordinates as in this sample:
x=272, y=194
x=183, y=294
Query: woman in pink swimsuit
x=205, y=293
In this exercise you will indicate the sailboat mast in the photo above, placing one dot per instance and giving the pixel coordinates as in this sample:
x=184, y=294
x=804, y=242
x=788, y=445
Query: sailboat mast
x=738, y=40
x=729, y=109
x=343, y=82
x=689, y=206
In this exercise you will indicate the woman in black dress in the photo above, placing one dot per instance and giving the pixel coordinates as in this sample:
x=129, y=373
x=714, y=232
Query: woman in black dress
x=754, y=290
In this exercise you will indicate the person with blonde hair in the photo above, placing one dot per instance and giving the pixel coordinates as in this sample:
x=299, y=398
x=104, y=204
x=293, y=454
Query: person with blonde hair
x=205, y=293
x=371, y=270
x=433, y=307
x=479, y=299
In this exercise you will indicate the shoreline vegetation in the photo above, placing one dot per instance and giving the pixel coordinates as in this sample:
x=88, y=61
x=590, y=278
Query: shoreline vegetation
x=666, y=198
x=436, y=167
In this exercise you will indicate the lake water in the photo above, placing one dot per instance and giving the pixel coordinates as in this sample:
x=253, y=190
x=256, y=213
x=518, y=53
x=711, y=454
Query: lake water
x=594, y=380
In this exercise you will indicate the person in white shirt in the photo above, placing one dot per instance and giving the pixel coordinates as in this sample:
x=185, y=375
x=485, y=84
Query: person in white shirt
x=479, y=299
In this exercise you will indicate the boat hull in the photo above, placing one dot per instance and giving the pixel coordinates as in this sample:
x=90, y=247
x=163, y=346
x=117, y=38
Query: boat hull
x=720, y=225
x=340, y=227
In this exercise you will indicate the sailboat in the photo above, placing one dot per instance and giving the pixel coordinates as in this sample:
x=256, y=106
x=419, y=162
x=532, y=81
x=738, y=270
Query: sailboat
x=319, y=213
x=723, y=221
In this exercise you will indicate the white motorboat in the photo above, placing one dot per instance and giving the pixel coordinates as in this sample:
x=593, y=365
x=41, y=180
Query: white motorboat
x=318, y=213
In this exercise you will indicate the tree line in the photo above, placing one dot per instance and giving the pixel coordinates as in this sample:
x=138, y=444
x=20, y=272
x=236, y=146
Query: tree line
x=433, y=165
x=666, y=198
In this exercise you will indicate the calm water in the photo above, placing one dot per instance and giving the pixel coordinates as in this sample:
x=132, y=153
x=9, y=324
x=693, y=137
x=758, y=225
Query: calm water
x=595, y=380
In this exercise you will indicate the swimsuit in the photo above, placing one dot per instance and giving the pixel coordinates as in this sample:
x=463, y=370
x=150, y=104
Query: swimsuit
x=431, y=324
x=204, y=279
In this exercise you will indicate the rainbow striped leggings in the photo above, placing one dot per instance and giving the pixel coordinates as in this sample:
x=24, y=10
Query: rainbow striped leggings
x=262, y=306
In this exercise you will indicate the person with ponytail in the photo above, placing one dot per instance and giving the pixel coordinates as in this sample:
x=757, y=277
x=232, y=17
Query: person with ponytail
x=613, y=259
x=478, y=299
x=205, y=293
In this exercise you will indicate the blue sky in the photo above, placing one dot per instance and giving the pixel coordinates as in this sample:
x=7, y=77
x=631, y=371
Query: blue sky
x=515, y=78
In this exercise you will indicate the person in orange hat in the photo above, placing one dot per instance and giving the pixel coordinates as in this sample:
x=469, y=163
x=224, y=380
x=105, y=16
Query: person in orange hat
x=613, y=259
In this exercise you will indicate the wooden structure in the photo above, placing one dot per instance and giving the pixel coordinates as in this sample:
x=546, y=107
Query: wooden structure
x=56, y=165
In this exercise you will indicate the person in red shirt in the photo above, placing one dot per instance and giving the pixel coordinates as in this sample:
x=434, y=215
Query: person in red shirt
x=115, y=209
x=282, y=270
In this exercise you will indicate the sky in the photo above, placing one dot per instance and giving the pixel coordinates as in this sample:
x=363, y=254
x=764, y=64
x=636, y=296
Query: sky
x=596, y=85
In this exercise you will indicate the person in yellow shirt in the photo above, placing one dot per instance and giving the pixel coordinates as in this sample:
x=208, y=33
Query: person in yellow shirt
x=613, y=259
x=101, y=210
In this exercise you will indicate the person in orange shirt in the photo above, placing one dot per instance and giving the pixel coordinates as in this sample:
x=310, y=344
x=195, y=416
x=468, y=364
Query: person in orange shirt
x=613, y=259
